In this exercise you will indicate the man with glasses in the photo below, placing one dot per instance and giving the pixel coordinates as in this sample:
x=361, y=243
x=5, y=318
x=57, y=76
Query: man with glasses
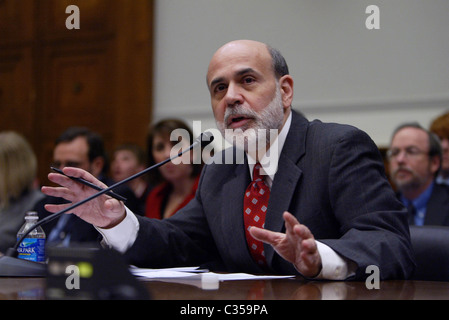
x=415, y=160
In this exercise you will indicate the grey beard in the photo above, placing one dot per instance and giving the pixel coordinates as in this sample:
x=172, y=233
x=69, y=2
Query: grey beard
x=271, y=117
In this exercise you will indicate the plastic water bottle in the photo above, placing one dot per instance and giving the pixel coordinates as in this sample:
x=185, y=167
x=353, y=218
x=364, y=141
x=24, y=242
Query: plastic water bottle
x=33, y=246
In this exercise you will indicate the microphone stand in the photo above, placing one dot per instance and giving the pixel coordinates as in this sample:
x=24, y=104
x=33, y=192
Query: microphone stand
x=10, y=266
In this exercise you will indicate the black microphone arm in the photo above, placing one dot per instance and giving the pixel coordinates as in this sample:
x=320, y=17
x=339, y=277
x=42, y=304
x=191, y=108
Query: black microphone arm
x=7, y=265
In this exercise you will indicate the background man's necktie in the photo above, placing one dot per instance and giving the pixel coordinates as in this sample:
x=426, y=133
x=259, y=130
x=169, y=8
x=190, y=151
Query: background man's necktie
x=411, y=213
x=255, y=206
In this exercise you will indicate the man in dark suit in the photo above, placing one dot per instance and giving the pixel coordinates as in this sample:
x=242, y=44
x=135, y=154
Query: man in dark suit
x=415, y=156
x=330, y=214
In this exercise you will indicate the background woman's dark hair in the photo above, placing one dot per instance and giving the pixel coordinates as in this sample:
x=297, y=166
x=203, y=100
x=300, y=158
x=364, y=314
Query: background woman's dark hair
x=164, y=128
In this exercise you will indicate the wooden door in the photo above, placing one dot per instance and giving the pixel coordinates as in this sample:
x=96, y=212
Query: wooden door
x=99, y=76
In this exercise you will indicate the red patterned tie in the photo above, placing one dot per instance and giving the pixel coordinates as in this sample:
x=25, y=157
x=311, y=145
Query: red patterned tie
x=255, y=205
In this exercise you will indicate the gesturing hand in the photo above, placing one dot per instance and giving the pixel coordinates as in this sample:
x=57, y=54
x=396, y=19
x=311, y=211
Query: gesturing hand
x=103, y=211
x=297, y=245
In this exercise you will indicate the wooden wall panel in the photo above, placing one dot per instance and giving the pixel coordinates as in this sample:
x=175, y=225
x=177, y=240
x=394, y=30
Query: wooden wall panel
x=98, y=76
x=78, y=83
x=134, y=70
x=78, y=87
x=17, y=94
x=17, y=23
x=97, y=18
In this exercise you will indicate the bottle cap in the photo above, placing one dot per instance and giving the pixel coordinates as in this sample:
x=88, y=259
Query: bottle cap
x=31, y=215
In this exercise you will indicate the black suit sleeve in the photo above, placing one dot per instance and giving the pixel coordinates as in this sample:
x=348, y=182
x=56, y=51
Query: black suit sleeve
x=373, y=223
x=184, y=239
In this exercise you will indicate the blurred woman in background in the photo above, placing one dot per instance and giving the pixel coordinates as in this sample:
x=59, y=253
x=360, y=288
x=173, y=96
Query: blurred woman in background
x=19, y=190
x=175, y=184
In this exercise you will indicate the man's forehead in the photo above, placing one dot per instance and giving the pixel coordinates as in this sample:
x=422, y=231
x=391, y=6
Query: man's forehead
x=76, y=146
x=238, y=57
x=411, y=136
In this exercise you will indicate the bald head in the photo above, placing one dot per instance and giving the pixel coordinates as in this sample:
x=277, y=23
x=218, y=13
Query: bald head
x=257, y=49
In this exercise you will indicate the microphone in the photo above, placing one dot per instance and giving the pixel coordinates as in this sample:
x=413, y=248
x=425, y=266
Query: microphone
x=10, y=266
x=87, y=183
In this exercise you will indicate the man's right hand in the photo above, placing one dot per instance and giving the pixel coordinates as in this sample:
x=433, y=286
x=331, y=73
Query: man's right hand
x=104, y=211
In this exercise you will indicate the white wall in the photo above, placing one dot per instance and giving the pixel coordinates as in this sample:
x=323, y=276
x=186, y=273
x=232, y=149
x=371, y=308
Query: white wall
x=343, y=72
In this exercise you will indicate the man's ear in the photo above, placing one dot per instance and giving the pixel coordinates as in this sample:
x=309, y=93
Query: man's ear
x=286, y=87
x=435, y=164
x=97, y=166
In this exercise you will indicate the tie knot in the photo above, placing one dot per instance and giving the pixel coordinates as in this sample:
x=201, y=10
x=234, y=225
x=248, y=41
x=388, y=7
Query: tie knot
x=256, y=172
x=411, y=209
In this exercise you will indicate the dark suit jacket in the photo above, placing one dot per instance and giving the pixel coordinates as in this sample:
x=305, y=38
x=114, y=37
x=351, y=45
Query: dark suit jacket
x=437, y=210
x=330, y=176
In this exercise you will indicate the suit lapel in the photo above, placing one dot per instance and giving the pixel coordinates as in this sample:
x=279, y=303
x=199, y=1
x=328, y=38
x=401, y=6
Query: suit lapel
x=436, y=211
x=233, y=214
x=286, y=179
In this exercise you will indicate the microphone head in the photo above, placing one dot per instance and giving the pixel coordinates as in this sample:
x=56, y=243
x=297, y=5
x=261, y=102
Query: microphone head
x=205, y=138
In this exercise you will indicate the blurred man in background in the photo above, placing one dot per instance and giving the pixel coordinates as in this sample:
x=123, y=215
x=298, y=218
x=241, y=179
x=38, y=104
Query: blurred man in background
x=415, y=160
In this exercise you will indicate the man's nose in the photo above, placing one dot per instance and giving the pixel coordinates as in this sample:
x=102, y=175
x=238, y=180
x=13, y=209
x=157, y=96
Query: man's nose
x=401, y=157
x=233, y=95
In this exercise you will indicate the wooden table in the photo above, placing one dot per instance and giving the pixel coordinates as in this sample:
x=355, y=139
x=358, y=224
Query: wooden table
x=279, y=289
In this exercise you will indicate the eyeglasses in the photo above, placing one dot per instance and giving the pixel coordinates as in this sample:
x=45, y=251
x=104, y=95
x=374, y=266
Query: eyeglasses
x=410, y=152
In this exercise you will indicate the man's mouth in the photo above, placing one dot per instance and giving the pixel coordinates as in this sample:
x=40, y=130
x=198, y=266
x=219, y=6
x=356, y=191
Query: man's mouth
x=237, y=121
x=401, y=172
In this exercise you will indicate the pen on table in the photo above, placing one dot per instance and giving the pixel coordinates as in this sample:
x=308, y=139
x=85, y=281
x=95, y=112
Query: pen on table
x=87, y=183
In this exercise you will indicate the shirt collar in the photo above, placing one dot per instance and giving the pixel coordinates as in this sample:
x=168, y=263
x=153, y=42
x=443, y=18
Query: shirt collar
x=269, y=162
x=442, y=180
x=421, y=201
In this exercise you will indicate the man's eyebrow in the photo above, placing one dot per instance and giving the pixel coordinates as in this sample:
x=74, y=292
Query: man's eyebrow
x=238, y=73
x=245, y=71
x=215, y=81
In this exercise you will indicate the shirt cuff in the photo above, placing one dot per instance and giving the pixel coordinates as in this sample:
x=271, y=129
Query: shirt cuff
x=334, y=267
x=122, y=236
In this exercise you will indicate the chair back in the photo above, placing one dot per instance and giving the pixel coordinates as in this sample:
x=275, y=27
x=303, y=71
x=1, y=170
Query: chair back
x=431, y=247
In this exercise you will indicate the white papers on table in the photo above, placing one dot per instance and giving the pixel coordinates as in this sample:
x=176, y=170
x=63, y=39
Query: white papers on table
x=169, y=273
x=187, y=272
x=247, y=276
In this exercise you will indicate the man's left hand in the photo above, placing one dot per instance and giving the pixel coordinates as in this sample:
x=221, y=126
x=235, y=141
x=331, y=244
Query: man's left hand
x=297, y=245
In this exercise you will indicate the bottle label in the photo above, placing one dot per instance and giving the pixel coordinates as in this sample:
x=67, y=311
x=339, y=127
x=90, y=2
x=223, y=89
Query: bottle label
x=32, y=249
